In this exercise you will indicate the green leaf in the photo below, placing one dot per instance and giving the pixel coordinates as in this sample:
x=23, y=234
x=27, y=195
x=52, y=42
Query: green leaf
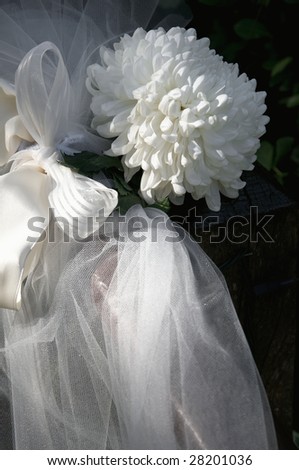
x=280, y=175
x=265, y=155
x=127, y=201
x=283, y=147
x=281, y=65
x=292, y=101
x=248, y=28
x=121, y=186
x=87, y=162
x=163, y=205
x=291, y=1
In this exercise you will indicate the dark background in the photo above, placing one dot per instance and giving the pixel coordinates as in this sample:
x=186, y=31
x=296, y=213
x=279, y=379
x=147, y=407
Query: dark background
x=261, y=36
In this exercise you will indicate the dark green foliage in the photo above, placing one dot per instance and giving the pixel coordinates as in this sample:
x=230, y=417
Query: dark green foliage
x=87, y=163
x=260, y=35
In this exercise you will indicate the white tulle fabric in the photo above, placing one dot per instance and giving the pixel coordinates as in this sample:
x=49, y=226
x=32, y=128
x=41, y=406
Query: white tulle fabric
x=45, y=48
x=131, y=341
x=36, y=181
x=128, y=339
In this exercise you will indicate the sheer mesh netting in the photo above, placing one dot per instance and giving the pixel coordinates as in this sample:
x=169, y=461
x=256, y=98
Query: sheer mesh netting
x=131, y=341
x=127, y=340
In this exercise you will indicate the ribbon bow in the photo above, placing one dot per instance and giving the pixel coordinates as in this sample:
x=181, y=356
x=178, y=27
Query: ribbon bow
x=35, y=181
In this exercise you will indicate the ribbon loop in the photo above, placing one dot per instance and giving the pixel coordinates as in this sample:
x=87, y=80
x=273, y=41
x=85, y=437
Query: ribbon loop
x=79, y=202
x=43, y=94
x=36, y=182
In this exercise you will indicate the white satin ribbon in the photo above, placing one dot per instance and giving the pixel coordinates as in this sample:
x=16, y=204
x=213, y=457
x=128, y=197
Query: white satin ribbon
x=36, y=181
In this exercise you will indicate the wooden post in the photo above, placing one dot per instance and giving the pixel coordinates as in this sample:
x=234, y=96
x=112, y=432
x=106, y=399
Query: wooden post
x=254, y=240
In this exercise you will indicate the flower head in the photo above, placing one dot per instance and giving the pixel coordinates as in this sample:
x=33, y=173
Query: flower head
x=179, y=113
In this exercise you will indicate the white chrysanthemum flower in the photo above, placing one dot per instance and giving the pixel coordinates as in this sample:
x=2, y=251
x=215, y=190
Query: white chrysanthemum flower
x=179, y=112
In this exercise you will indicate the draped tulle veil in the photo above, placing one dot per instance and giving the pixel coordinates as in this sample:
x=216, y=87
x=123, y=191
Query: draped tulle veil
x=127, y=339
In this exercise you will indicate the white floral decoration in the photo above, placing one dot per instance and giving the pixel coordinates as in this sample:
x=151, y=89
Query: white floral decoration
x=178, y=112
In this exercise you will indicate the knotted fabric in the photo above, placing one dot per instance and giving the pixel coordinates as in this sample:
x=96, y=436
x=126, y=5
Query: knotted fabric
x=34, y=181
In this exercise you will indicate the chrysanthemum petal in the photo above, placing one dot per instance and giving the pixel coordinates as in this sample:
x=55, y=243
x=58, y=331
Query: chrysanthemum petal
x=179, y=113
